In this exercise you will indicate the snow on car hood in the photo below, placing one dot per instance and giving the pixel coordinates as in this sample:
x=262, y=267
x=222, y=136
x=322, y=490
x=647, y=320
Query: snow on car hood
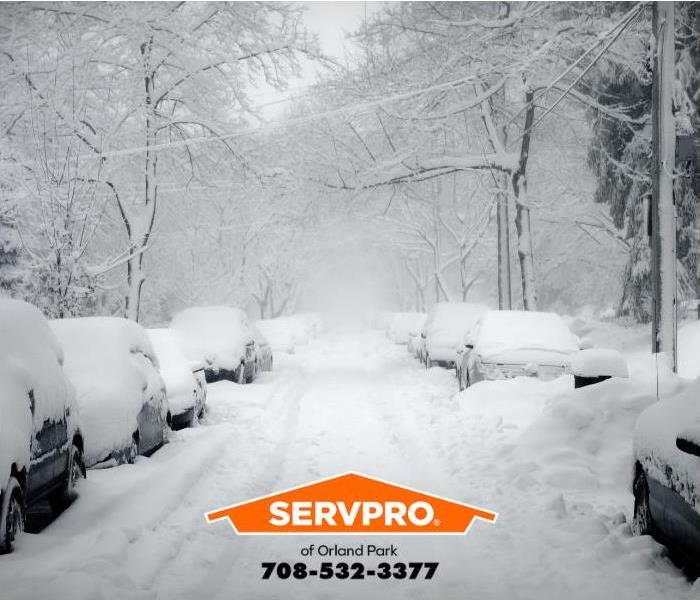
x=175, y=369
x=524, y=356
x=217, y=335
x=113, y=367
x=655, y=436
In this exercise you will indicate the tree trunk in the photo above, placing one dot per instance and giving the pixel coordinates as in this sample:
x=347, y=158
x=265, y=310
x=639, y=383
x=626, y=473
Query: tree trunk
x=143, y=219
x=522, y=211
x=503, y=228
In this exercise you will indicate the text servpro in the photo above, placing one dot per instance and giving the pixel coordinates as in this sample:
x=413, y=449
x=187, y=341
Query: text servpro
x=322, y=512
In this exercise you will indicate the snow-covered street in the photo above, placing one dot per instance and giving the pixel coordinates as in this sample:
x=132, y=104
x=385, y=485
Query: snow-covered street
x=355, y=401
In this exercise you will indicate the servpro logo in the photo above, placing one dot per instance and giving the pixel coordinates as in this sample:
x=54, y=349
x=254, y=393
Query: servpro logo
x=351, y=503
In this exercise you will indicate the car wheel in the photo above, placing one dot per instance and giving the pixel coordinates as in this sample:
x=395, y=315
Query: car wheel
x=133, y=450
x=11, y=515
x=642, y=523
x=62, y=499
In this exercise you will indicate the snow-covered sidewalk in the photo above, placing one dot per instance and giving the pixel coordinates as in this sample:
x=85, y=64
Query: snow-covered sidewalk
x=550, y=461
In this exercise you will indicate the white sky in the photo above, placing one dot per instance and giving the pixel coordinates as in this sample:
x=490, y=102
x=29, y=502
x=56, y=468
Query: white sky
x=330, y=21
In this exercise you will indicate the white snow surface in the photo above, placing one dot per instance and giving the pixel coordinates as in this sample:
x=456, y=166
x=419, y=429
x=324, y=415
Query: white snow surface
x=655, y=442
x=175, y=368
x=446, y=325
x=114, y=368
x=404, y=324
x=598, y=362
x=30, y=359
x=550, y=460
x=284, y=334
x=216, y=335
x=506, y=332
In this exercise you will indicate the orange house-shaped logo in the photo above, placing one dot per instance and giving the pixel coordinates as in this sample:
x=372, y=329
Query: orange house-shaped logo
x=351, y=503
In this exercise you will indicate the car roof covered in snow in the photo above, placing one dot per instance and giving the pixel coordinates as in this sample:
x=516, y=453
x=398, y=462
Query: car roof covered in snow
x=114, y=369
x=30, y=361
x=175, y=368
x=502, y=330
x=215, y=334
x=599, y=362
x=453, y=316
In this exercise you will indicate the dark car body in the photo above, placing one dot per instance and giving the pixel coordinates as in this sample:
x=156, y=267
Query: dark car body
x=666, y=484
x=43, y=444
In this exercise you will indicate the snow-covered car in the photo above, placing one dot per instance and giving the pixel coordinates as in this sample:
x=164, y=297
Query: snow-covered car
x=220, y=337
x=593, y=365
x=515, y=343
x=278, y=333
x=263, y=351
x=403, y=325
x=313, y=323
x=184, y=379
x=666, y=482
x=41, y=444
x=444, y=329
x=120, y=393
x=414, y=343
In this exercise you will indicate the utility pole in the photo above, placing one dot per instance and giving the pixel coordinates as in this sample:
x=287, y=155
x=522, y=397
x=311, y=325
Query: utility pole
x=663, y=214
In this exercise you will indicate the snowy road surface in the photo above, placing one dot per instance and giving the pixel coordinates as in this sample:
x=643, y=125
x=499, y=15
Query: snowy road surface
x=357, y=402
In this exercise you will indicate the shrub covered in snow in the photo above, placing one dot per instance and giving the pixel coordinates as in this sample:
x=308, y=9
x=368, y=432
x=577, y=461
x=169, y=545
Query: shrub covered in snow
x=217, y=335
x=30, y=363
x=114, y=369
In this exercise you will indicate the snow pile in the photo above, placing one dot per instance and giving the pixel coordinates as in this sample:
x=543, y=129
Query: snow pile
x=689, y=349
x=30, y=361
x=446, y=324
x=583, y=438
x=175, y=369
x=114, y=369
x=655, y=442
x=599, y=362
x=216, y=335
x=405, y=324
x=513, y=330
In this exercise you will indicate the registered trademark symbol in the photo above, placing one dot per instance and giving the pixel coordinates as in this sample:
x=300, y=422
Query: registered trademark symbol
x=436, y=522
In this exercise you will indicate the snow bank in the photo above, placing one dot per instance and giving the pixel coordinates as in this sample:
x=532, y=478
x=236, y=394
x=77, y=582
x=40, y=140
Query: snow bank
x=216, y=335
x=513, y=330
x=30, y=360
x=404, y=324
x=114, y=369
x=175, y=369
x=599, y=362
x=655, y=442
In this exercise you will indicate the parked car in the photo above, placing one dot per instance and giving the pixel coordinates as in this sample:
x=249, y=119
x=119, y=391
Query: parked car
x=278, y=333
x=185, y=382
x=41, y=445
x=666, y=484
x=513, y=343
x=263, y=351
x=443, y=332
x=221, y=338
x=403, y=324
x=120, y=393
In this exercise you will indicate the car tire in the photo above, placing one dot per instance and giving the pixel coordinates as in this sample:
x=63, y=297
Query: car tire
x=642, y=523
x=62, y=499
x=11, y=515
x=133, y=450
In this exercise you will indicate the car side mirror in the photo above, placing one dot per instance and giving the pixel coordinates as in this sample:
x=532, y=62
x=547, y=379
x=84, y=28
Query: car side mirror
x=689, y=442
x=469, y=345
